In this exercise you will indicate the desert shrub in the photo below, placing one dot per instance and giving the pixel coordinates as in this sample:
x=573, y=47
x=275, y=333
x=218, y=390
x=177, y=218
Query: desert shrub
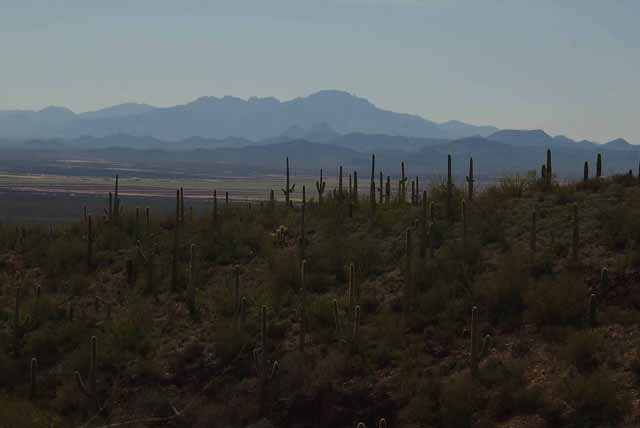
x=320, y=320
x=21, y=414
x=583, y=350
x=595, y=399
x=128, y=337
x=423, y=406
x=565, y=194
x=503, y=291
x=460, y=400
x=510, y=393
x=556, y=302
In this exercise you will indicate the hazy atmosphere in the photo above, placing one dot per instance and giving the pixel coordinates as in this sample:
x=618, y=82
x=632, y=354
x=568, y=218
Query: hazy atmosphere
x=566, y=67
x=319, y=213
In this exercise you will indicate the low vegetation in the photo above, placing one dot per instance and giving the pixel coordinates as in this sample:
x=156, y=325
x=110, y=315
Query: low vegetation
x=404, y=304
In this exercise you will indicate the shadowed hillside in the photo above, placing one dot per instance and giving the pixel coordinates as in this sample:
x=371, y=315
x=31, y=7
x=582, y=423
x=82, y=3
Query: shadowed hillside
x=440, y=305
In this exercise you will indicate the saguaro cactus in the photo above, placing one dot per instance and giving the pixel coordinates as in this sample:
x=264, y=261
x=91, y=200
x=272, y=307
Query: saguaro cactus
x=289, y=188
x=89, y=243
x=354, y=192
x=402, y=188
x=320, y=186
x=353, y=288
x=449, y=190
x=356, y=325
x=33, y=380
x=593, y=310
x=387, y=191
x=176, y=245
x=599, y=166
x=110, y=212
x=604, y=281
x=214, y=208
x=336, y=318
x=236, y=294
x=470, y=180
x=549, y=170
x=340, y=190
x=575, y=247
x=181, y=205
x=89, y=388
x=586, y=172
x=116, y=200
x=261, y=359
x=302, y=243
x=381, y=188
x=474, y=341
x=372, y=190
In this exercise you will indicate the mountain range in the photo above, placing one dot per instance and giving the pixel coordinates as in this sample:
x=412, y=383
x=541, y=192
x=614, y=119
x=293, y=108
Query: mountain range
x=325, y=114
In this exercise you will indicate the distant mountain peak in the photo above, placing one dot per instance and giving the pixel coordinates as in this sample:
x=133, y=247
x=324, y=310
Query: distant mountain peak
x=523, y=137
x=255, y=118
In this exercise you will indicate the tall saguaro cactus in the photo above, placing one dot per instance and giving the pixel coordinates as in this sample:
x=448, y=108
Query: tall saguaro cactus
x=89, y=243
x=89, y=387
x=261, y=357
x=302, y=243
x=340, y=190
x=449, y=190
x=387, y=191
x=33, y=379
x=549, y=170
x=354, y=191
x=586, y=172
x=474, y=341
x=402, y=188
x=470, y=181
x=236, y=294
x=320, y=186
x=215, y=208
x=289, y=188
x=372, y=190
x=575, y=247
x=353, y=288
x=599, y=166
x=175, y=248
x=116, y=200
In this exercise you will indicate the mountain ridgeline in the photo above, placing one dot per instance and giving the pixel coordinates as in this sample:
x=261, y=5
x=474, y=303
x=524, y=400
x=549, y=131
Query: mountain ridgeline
x=211, y=117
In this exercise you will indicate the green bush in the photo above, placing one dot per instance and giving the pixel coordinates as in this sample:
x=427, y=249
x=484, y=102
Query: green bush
x=556, y=302
x=583, y=350
x=460, y=400
x=595, y=399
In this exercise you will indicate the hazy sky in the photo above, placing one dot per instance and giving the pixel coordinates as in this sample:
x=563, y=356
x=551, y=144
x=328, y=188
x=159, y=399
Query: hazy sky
x=570, y=67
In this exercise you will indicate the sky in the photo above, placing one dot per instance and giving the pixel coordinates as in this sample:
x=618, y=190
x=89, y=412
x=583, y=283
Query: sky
x=569, y=67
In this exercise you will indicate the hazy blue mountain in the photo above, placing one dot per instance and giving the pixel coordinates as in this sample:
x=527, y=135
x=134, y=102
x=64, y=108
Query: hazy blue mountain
x=536, y=137
x=120, y=110
x=457, y=129
x=48, y=122
x=213, y=117
x=619, y=144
